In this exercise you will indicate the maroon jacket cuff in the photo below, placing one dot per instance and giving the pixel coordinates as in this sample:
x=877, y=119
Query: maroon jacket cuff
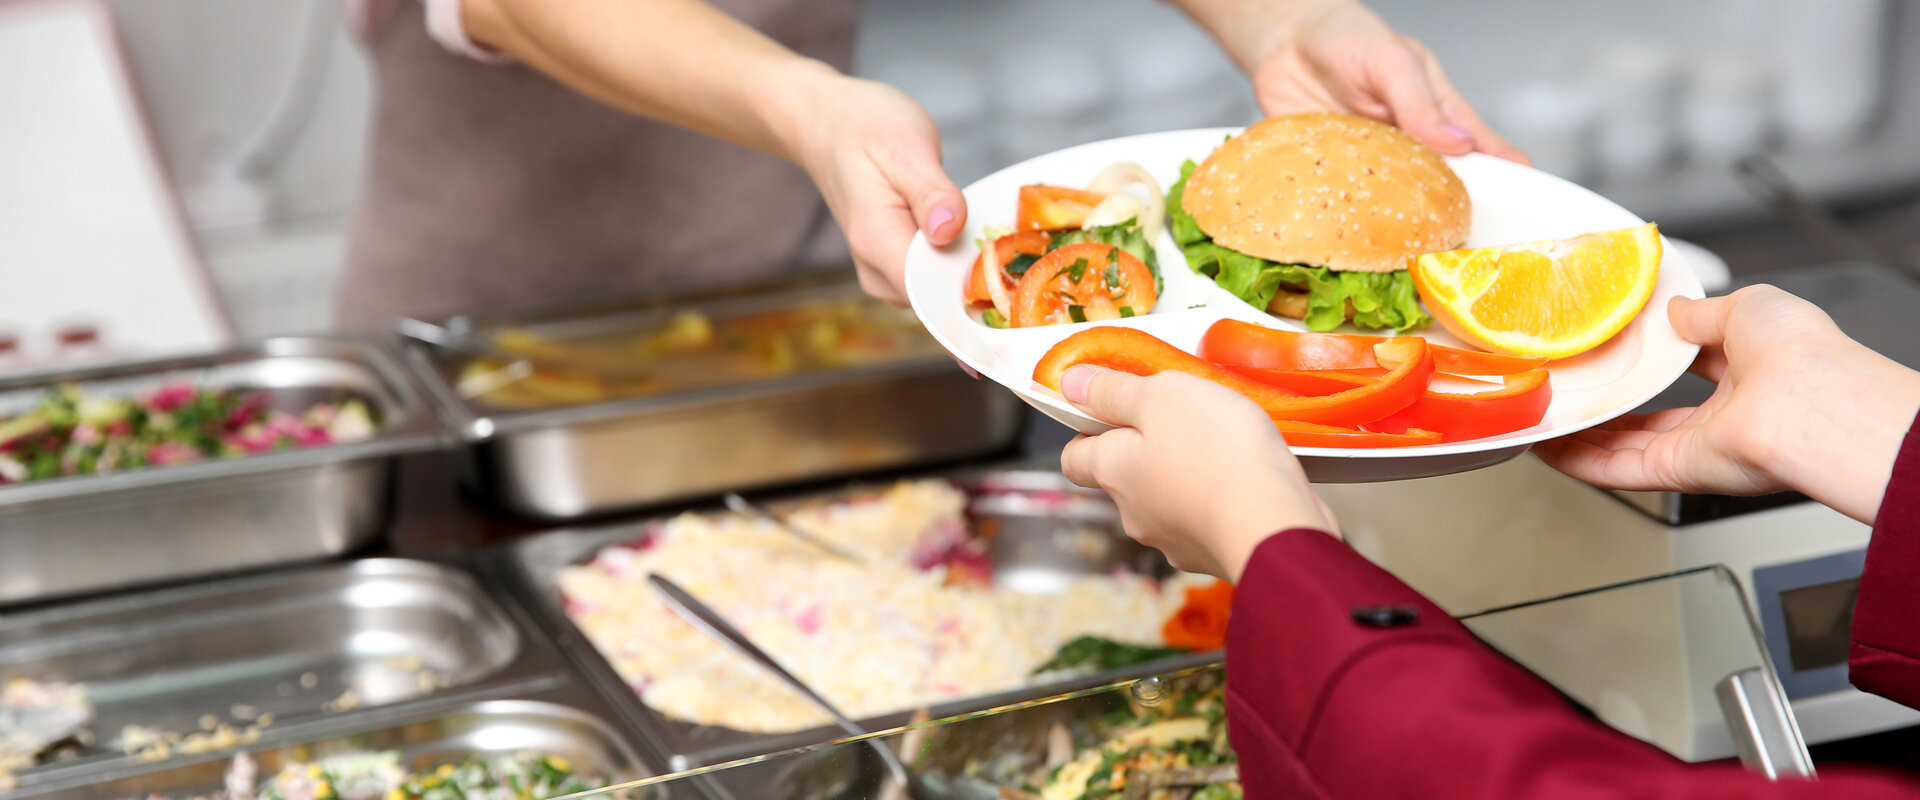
x=1884, y=657
x=1335, y=691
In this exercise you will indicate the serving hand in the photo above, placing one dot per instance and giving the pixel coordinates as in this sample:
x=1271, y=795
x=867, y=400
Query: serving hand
x=1798, y=406
x=1198, y=470
x=1337, y=55
x=875, y=155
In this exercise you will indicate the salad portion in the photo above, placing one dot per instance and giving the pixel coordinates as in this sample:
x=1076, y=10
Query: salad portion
x=1175, y=751
x=71, y=432
x=1073, y=255
x=380, y=776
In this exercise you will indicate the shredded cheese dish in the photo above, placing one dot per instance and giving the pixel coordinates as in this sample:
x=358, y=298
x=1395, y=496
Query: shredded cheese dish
x=893, y=634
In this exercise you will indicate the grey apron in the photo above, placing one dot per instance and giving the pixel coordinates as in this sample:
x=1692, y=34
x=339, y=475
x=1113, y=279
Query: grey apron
x=493, y=186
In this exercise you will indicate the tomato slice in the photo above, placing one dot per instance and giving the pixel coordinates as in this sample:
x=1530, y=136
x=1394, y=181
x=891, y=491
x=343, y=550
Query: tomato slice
x=1520, y=403
x=1306, y=434
x=1142, y=353
x=1244, y=344
x=1084, y=282
x=1054, y=208
x=1032, y=243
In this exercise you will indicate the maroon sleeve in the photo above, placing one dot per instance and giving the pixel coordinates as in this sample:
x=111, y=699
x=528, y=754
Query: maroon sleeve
x=1343, y=682
x=1884, y=657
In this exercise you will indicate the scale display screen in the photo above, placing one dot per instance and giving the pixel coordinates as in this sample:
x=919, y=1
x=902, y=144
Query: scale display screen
x=1819, y=623
x=1806, y=613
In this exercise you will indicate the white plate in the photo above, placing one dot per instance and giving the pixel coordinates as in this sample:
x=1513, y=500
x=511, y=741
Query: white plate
x=1511, y=203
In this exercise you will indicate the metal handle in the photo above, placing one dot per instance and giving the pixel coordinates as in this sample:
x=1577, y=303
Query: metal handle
x=1765, y=735
x=712, y=624
x=739, y=505
x=1762, y=177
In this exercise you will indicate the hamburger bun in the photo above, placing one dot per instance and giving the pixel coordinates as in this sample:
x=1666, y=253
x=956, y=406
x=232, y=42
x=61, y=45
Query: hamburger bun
x=1327, y=189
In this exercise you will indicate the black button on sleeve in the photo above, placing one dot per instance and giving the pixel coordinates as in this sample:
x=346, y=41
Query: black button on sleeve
x=1385, y=616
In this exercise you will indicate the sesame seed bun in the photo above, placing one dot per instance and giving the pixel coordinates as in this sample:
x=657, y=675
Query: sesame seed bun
x=1327, y=189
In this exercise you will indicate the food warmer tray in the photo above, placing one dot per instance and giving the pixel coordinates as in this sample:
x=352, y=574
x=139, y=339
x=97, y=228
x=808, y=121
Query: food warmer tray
x=974, y=745
x=1027, y=553
x=392, y=632
x=83, y=533
x=558, y=720
x=569, y=462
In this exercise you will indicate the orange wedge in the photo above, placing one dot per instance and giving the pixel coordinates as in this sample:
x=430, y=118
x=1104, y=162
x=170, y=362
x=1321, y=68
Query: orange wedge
x=1552, y=299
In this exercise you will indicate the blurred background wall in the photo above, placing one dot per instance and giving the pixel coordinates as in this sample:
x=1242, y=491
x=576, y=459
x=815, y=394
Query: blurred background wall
x=1646, y=101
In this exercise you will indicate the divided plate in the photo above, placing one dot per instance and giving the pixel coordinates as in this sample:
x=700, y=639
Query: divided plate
x=1511, y=203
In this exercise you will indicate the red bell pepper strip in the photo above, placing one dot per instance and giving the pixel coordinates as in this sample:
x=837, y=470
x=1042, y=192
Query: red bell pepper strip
x=1307, y=434
x=1521, y=403
x=1141, y=353
x=1244, y=344
x=1311, y=382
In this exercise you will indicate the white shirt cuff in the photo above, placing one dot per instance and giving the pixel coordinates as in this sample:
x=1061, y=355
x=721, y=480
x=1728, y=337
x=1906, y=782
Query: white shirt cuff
x=445, y=26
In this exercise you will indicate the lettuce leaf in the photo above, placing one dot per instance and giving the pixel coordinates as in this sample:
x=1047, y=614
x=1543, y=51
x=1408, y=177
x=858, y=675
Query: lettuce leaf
x=1380, y=299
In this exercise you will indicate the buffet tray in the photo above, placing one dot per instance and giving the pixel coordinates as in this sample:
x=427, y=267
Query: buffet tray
x=306, y=646
x=558, y=720
x=63, y=536
x=1028, y=509
x=973, y=745
x=566, y=462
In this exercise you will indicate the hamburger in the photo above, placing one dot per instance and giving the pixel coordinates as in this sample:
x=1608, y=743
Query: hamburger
x=1314, y=215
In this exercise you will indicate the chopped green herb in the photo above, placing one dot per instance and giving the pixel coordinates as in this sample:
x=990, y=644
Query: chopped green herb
x=1075, y=271
x=1126, y=311
x=1018, y=266
x=994, y=318
x=1077, y=313
x=1112, y=274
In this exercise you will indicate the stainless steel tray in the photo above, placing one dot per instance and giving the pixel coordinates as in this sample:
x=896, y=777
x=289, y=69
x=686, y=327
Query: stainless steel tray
x=93, y=532
x=1027, y=507
x=995, y=749
x=292, y=645
x=555, y=723
x=574, y=461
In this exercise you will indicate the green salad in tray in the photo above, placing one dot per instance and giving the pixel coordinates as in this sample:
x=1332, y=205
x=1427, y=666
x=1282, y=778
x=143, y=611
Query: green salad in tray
x=382, y=776
x=1175, y=751
x=71, y=432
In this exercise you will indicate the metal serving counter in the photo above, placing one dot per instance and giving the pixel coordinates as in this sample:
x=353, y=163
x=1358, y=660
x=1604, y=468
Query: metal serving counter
x=587, y=443
x=94, y=532
x=1045, y=531
x=275, y=658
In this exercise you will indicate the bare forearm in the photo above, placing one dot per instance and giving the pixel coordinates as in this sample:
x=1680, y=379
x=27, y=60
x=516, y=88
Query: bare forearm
x=678, y=61
x=1251, y=30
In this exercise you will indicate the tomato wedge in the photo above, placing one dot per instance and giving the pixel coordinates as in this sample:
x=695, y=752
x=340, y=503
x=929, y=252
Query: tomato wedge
x=1085, y=282
x=1142, y=353
x=1244, y=344
x=1032, y=243
x=1520, y=403
x=1053, y=208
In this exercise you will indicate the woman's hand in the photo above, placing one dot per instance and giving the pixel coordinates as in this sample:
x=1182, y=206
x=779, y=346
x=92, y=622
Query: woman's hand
x=1198, y=471
x=1799, y=406
x=1337, y=55
x=875, y=155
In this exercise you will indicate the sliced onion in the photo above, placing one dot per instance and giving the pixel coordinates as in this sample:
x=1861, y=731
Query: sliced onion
x=1122, y=175
x=996, y=285
x=1117, y=208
